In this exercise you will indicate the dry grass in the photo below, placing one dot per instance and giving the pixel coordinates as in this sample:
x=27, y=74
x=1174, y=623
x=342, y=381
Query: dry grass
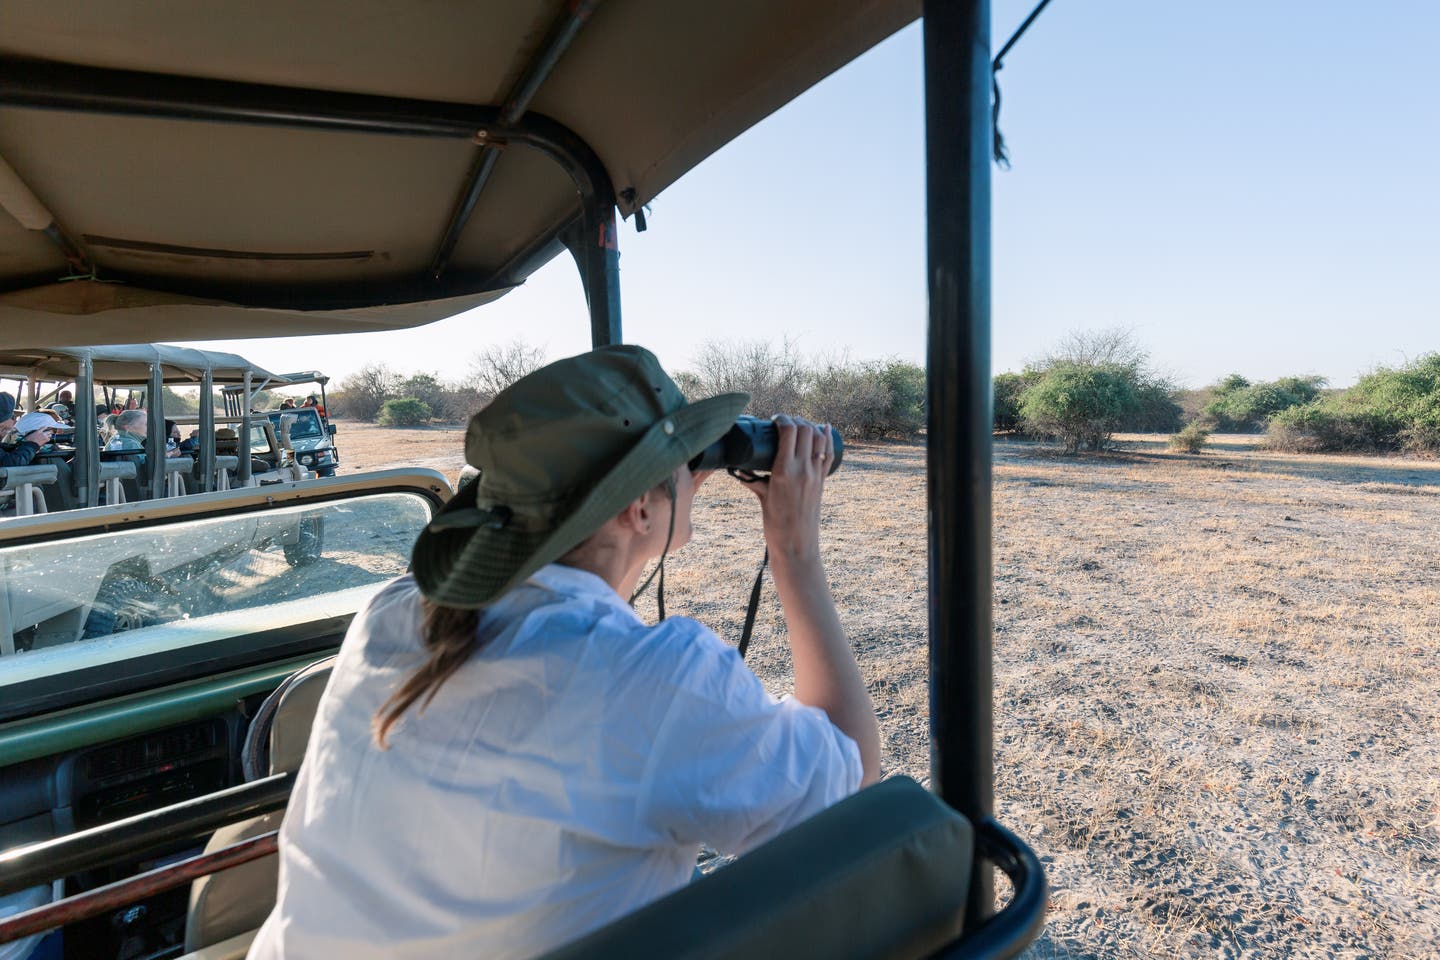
x=1217, y=689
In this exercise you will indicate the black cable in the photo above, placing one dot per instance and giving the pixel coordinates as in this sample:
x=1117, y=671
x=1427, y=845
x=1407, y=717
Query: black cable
x=1002, y=156
x=660, y=568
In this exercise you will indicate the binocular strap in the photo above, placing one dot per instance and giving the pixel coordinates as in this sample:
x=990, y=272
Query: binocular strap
x=660, y=568
x=754, y=605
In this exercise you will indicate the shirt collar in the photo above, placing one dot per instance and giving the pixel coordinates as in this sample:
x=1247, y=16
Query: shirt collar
x=574, y=582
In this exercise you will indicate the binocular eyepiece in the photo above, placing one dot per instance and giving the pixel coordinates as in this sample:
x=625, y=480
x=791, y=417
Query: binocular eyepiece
x=750, y=446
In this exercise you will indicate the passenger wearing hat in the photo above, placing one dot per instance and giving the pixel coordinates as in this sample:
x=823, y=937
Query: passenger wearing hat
x=34, y=430
x=506, y=756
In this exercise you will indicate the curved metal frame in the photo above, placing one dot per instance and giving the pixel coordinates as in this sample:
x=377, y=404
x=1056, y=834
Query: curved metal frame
x=38, y=84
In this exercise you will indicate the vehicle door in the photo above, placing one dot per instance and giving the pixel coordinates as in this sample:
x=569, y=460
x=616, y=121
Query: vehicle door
x=137, y=641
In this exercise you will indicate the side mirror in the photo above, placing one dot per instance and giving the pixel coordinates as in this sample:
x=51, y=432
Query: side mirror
x=331, y=428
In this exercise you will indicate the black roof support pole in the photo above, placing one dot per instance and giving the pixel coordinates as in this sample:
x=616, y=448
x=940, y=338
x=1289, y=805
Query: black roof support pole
x=556, y=42
x=957, y=162
x=592, y=241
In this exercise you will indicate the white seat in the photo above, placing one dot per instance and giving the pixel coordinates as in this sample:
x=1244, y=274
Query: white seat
x=225, y=469
x=22, y=486
x=112, y=475
x=176, y=469
x=237, y=900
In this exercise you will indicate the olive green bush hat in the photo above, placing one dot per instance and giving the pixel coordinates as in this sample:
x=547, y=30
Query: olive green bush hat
x=560, y=452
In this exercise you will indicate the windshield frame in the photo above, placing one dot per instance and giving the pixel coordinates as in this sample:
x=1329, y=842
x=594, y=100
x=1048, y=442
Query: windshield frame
x=277, y=416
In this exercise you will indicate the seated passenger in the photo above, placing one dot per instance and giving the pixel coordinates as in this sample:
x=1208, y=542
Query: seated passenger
x=131, y=428
x=507, y=756
x=33, y=431
x=191, y=444
x=172, y=438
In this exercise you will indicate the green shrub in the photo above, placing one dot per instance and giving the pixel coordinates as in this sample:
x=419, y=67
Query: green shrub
x=1156, y=410
x=404, y=412
x=905, y=390
x=1093, y=385
x=849, y=398
x=1008, y=388
x=425, y=387
x=866, y=401
x=1080, y=404
x=1388, y=409
x=1239, y=405
x=1191, y=439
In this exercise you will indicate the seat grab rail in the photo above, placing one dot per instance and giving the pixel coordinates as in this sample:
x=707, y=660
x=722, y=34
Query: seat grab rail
x=111, y=843
x=92, y=903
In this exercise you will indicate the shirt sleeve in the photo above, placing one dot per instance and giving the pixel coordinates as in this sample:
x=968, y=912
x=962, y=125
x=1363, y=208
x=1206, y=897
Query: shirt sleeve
x=21, y=456
x=731, y=766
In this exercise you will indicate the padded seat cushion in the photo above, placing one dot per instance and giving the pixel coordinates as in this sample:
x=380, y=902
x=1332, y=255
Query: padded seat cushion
x=276, y=740
x=236, y=900
x=884, y=873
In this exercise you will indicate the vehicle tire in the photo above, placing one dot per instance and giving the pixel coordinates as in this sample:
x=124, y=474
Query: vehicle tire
x=311, y=544
x=125, y=602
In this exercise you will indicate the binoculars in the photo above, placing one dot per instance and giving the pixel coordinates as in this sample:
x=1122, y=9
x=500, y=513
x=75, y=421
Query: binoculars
x=750, y=446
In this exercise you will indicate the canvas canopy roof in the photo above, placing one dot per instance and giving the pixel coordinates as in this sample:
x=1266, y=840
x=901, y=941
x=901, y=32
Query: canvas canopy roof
x=259, y=223
x=130, y=363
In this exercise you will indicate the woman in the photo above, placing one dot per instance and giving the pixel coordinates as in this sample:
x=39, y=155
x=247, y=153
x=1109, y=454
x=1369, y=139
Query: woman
x=506, y=756
x=172, y=438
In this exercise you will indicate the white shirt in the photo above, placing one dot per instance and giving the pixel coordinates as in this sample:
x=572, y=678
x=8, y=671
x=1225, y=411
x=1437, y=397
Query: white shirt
x=563, y=777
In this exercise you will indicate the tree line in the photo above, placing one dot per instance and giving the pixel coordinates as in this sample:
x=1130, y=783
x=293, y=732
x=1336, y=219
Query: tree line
x=1094, y=385
x=863, y=399
x=1091, y=386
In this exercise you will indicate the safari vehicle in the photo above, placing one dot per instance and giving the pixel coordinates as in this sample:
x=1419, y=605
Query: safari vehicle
x=85, y=476
x=305, y=430
x=323, y=168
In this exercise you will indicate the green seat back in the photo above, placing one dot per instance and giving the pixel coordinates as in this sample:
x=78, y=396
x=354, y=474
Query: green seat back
x=882, y=874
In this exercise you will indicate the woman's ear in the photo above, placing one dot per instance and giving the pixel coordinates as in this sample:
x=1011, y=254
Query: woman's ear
x=636, y=515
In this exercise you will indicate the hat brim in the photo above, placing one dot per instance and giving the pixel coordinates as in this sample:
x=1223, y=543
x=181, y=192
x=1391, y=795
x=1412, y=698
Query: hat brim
x=50, y=424
x=470, y=567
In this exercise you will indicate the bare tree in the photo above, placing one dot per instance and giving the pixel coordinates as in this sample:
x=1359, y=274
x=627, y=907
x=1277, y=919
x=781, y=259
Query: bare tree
x=494, y=369
x=1114, y=347
x=366, y=390
x=773, y=376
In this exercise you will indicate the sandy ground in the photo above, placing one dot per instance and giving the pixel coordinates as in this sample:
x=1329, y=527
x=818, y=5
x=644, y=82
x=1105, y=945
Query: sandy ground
x=1217, y=703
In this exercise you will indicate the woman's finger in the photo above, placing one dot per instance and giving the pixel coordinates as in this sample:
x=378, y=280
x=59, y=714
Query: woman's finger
x=784, y=439
x=804, y=441
x=823, y=449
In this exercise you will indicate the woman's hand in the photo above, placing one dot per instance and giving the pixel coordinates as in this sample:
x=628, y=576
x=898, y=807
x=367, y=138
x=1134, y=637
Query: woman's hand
x=790, y=498
x=825, y=672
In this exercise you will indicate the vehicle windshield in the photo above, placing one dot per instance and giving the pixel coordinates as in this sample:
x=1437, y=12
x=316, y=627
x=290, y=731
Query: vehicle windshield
x=107, y=599
x=304, y=424
x=259, y=441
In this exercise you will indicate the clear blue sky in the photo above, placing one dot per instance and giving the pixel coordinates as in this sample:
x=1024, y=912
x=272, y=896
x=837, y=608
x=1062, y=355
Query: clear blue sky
x=1248, y=186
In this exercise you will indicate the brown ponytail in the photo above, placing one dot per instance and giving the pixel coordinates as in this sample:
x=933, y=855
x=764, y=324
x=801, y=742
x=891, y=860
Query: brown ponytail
x=449, y=636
